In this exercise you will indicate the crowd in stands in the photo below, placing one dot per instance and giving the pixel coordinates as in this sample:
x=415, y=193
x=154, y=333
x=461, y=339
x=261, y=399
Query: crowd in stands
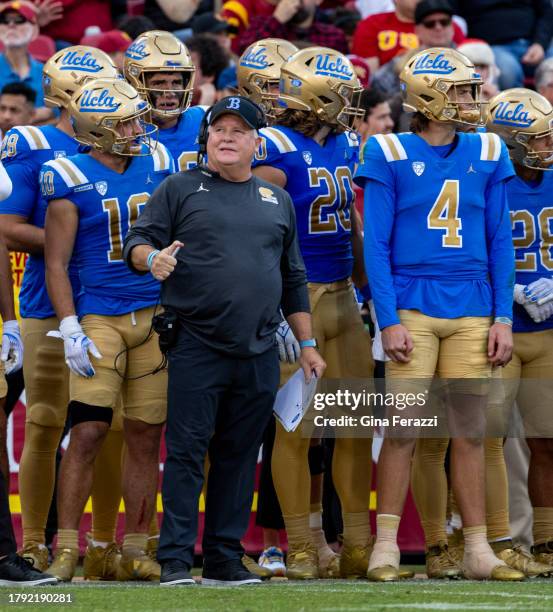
x=509, y=42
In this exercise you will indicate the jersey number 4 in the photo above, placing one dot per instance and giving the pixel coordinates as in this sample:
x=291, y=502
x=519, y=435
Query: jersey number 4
x=116, y=235
x=444, y=215
x=334, y=205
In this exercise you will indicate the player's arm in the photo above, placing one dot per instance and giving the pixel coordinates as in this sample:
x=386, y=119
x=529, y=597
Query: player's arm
x=273, y=175
x=5, y=183
x=7, y=309
x=358, y=275
x=20, y=235
x=501, y=266
x=12, y=345
x=62, y=221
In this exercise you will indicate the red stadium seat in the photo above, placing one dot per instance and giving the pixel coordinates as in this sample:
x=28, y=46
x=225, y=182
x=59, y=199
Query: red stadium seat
x=42, y=47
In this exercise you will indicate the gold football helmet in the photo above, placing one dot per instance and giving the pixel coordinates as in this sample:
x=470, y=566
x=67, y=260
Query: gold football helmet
x=72, y=67
x=520, y=116
x=323, y=81
x=159, y=51
x=430, y=84
x=109, y=115
x=258, y=71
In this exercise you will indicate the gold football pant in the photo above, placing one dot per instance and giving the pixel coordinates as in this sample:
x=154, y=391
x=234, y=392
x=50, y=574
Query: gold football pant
x=47, y=395
x=345, y=345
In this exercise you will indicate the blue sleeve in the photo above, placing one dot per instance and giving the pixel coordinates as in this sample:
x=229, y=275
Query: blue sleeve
x=504, y=168
x=379, y=215
x=501, y=255
x=52, y=186
x=374, y=166
x=24, y=195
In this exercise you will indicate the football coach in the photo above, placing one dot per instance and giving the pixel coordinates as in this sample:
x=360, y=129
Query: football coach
x=238, y=263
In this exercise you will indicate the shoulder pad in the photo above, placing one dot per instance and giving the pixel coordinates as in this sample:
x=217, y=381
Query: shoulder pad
x=71, y=175
x=162, y=158
x=21, y=140
x=391, y=147
x=279, y=139
x=490, y=148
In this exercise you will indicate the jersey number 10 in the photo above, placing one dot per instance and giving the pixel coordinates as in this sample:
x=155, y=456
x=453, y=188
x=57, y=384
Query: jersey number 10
x=116, y=235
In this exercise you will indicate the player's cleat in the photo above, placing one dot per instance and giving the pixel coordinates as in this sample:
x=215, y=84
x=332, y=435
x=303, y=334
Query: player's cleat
x=65, y=563
x=152, y=546
x=543, y=553
x=19, y=571
x=272, y=559
x=440, y=564
x=261, y=572
x=329, y=567
x=174, y=573
x=456, y=546
x=520, y=560
x=354, y=562
x=38, y=553
x=386, y=573
x=100, y=563
x=302, y=563
x=138, y=567
x=504, y=573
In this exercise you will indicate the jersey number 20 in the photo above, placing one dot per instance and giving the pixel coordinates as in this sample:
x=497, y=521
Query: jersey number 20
x=339, y=196
x=444, y=215
x=116, y=235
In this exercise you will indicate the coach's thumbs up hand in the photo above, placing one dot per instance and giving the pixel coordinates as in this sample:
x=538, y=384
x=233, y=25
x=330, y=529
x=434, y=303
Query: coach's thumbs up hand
x=163, y=262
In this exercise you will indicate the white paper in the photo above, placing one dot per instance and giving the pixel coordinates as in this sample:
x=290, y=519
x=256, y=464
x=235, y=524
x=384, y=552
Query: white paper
x=293, y=399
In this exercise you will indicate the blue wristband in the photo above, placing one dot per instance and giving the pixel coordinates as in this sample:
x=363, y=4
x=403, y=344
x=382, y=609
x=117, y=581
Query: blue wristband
x=150, y=258
x=308, y=343
x=365, y=291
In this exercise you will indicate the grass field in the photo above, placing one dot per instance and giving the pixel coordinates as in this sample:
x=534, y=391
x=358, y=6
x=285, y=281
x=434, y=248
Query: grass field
x=322, y=596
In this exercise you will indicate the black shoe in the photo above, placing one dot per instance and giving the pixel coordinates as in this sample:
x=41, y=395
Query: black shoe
x=18, y=571
x=174, y=573
x=232, y=573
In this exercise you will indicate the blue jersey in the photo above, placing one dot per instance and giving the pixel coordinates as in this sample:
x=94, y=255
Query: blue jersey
x=182, y=139
x=24, y=150
x=532, y=224
x=319, y=181
x=108, y=203
x=437, y=231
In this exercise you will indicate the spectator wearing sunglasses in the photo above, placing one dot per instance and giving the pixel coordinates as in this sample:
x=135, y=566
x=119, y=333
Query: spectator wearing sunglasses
x=18, y=27
x=379, y=38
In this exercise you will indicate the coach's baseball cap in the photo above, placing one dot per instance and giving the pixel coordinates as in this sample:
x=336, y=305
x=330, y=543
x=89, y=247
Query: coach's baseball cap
x=247, y=110
x=427, y=7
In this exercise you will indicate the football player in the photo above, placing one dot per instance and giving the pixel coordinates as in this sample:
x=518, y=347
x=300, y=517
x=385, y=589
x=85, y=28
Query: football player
x=158, y=65
x=524, y=119
x=24, y=150
x=258, y=72
x=311, y=152
x=93, y=198
x=439, y=257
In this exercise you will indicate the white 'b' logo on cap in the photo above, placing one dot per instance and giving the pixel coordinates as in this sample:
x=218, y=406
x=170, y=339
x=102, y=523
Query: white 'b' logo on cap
x=234, y=103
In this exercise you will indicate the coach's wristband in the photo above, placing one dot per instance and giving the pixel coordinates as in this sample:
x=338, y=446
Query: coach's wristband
x=504, y=320
x=150, y=259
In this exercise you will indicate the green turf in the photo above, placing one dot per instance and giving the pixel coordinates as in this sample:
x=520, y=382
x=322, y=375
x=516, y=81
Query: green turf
x=322, y=596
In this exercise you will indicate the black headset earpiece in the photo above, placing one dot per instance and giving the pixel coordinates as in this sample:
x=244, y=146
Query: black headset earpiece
x=202, y=136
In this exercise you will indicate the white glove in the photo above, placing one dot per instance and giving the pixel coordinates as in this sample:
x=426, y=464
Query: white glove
x=378, y=349
x=519, y=296
x=76, y=345
x=288, y=347
x=12, y=346
x=539, y=313
x=540, y=291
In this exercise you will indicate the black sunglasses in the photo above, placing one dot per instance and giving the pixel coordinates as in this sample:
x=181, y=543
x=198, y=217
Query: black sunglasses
x=14, y=19
x=432, y=23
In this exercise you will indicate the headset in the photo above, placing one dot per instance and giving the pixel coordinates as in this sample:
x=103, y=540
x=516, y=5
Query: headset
x=260, y=122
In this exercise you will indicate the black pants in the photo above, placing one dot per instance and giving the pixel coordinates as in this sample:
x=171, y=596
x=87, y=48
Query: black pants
x=219, y=403
x=269, y=514
x=7, y=538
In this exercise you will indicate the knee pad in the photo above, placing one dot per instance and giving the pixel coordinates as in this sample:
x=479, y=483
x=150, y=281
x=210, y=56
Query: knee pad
x=316, y=460
x=79, y=412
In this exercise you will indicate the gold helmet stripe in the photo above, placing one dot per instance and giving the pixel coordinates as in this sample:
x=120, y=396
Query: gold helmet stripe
x=491, y=146
x=391, y=147
x=34, y=137
x=280, y=140
x=70, y=173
